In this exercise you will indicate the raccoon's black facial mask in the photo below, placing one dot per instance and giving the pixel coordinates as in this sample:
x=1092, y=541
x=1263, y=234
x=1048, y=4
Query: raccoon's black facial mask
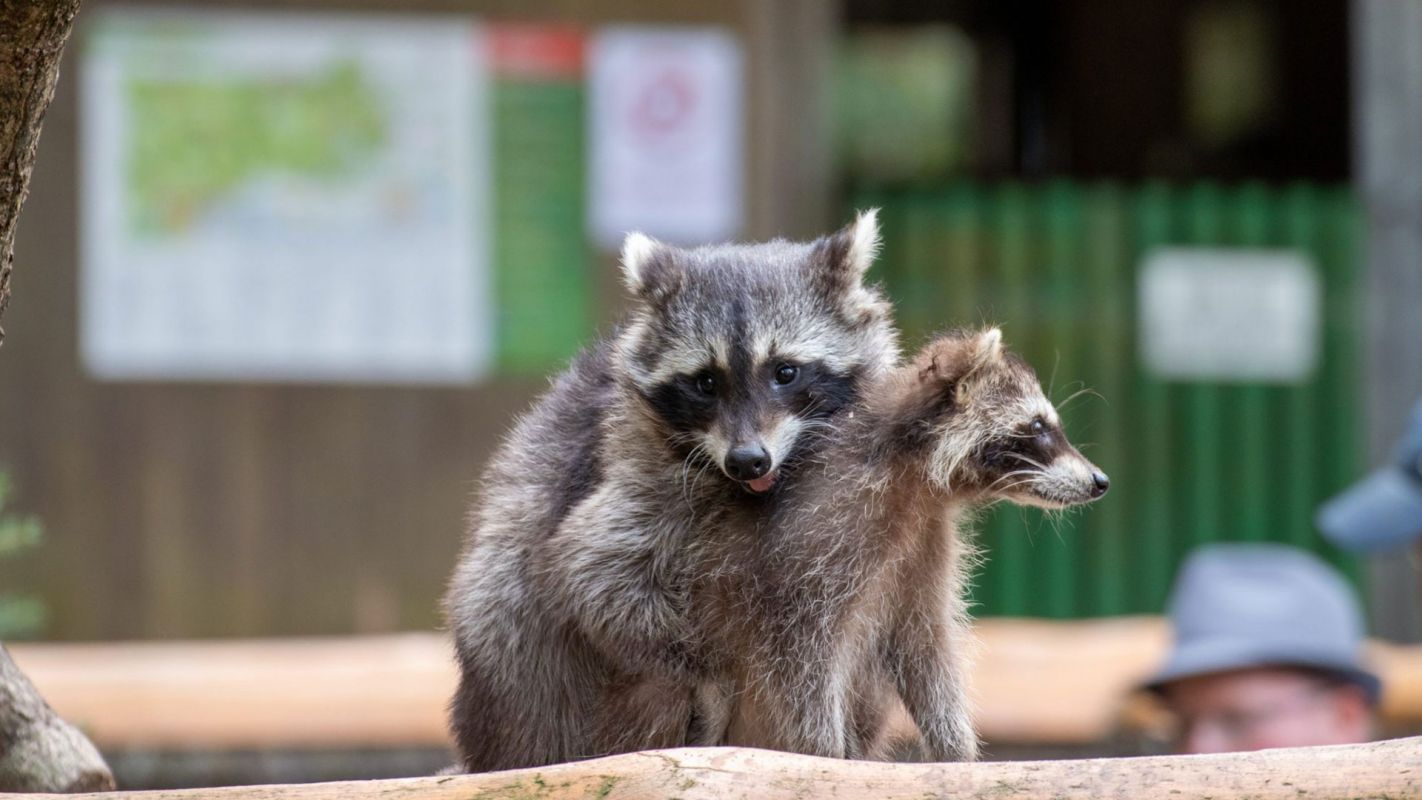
x=692, y=403
x=1037, y=442
x=775, y=407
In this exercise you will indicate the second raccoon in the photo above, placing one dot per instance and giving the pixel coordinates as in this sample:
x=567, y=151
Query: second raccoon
x=848, y=596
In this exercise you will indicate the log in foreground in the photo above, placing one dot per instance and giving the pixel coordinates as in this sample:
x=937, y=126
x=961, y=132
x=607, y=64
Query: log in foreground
x=1391, y=769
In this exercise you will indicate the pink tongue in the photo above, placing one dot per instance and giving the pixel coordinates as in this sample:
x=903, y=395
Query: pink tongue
x=763, y=483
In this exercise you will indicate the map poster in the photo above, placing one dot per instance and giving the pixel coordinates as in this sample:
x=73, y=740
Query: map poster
x=666, y=134
x=271, y=196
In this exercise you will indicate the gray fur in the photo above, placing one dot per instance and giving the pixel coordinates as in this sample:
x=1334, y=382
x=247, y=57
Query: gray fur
x=569, y=605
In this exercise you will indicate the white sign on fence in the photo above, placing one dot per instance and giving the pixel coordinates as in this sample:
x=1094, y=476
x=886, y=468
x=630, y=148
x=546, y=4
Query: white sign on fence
x=279, y=197
x=665, y=134
x=1214, y=314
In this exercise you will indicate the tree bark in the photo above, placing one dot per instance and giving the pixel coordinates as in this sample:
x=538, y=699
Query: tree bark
x=32, y=37
x=1382, y=769
x=39, y=752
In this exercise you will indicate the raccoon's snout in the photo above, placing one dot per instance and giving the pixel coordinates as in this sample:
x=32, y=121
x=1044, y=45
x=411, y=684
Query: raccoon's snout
x=1100, y=483
x=747, y=462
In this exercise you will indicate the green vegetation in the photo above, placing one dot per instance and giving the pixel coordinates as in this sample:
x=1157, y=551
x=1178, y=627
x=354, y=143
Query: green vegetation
x=19, y=615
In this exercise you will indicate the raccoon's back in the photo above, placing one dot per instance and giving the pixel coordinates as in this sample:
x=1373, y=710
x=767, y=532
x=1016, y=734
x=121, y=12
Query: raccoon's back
x=552, y=457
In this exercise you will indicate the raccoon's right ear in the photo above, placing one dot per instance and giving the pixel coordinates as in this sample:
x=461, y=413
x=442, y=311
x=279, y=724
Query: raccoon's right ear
x=649, y=268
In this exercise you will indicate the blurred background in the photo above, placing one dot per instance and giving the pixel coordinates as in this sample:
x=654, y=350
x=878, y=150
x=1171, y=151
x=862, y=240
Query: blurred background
x=289, y=269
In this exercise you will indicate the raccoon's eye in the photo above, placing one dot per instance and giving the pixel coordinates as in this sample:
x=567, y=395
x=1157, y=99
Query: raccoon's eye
x=1038, y=427
x=786, y=374
x=705, y=383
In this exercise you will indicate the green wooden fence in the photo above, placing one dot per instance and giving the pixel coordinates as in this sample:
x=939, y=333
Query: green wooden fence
x=1056, y=265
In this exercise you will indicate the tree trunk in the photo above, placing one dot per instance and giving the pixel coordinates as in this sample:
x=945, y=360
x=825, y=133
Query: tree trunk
x=32, y=36
x=1390, y=770
x=39, y=752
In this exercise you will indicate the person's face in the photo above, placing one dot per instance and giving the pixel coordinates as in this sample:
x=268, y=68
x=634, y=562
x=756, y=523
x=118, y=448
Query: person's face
x=1252, y=709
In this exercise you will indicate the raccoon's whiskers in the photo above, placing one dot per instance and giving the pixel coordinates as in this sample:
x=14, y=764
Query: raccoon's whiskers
x=696, y=479
x=688, y=484
x=1018, y=473
x=683, y=437
x=816, y=427
x=1048, y=393
x=1053, y=516
x=1032, y=461
x=1009, y=487
x=807, y=419
x=1085, y=390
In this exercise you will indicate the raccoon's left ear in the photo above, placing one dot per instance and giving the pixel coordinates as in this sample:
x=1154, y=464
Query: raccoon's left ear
x=844, y=256
x=848, y=253
x=649, y=268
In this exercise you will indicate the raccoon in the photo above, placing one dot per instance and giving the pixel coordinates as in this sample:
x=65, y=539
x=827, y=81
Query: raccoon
x=568, y=605
x=844, y=602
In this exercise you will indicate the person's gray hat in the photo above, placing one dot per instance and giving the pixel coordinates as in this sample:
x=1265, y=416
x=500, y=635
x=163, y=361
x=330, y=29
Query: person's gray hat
x=1384, y=509
x=1236, y=606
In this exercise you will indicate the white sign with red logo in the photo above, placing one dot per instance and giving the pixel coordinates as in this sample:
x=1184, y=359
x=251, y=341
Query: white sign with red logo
x=665, y=128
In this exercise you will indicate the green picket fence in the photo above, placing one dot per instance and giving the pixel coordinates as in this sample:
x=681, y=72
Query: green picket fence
x=1056, y=265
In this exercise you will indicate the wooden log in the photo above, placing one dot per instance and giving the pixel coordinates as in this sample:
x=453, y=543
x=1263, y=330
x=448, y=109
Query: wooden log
x=39, y=752
x=1391, y=769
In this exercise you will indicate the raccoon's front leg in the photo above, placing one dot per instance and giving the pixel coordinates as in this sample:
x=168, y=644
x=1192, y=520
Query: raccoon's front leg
x=798, y=693
x=805, y=714
x=930, y=677
x=611, y=568
x=712, y=701
x=881, y=725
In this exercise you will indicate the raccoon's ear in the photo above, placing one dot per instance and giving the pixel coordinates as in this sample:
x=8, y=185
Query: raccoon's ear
x=951, y=359
x=848, y=253
x=649, y=268
x=864, y=242
x=987, y=348
x=844, y=256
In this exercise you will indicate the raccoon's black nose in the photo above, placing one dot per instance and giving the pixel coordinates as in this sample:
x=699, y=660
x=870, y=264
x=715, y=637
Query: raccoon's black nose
x=1102, y=483
x=747, y=463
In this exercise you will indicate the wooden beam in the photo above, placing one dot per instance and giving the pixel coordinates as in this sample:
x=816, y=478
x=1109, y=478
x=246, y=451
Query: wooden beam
x=1390, y=769
x=1036, y=682
x=327, y=692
